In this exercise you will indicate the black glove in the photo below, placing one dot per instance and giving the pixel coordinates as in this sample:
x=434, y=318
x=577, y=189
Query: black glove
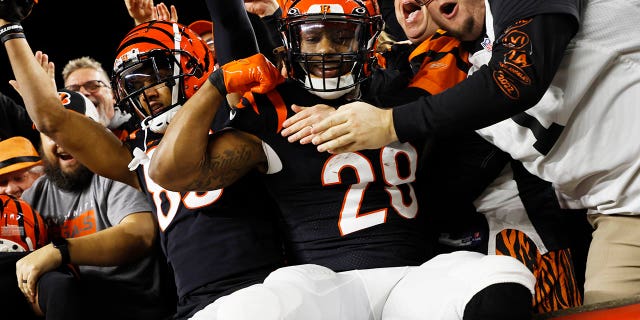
x=15, y=10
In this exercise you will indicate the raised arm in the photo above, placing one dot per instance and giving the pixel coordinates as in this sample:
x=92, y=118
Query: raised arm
x=513, y=79
x=233, y=32
x=188, y=158
x=84, y=138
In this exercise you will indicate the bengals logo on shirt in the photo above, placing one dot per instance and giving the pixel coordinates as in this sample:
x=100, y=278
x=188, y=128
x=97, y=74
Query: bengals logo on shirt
x=65, y=98
x=80, y=225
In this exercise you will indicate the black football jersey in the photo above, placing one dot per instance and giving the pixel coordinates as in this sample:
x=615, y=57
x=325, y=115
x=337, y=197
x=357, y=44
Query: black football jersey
x=215, y=242
x=349, y=211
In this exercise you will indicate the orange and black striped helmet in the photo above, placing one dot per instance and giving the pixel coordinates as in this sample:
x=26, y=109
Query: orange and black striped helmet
x=350, y=26
x=159, y=53
x=21, y=227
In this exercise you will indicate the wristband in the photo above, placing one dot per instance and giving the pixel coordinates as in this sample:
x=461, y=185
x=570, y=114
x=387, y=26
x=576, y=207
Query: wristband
x=11, y=31
x=62, y=245
x=11, y=27
x=10, y=36
x=217, y=80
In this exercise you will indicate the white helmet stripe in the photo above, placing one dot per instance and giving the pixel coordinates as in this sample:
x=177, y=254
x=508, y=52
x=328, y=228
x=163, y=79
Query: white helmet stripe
x=177, y=38
x=325, y=8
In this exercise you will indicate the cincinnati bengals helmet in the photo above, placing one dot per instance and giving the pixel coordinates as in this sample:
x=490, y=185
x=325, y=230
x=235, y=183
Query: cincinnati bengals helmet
x=21, y=227
x=156, y=54
x=351, y=26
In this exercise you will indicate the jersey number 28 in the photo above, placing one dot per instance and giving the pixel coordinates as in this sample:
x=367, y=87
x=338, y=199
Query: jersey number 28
x=351, y=219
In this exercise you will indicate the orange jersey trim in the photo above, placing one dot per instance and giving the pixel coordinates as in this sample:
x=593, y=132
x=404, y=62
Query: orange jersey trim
x=276, y=100
x=281, y=108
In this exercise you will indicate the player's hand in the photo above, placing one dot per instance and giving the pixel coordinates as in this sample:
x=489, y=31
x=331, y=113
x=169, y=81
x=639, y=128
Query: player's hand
x=298, y=127
x=15, y=10
x=354, y=126
x=255, y=73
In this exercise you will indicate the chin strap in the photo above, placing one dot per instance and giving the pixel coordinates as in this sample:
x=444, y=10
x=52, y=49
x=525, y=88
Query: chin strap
x=160, y=123
x=342, y=81
x=157, y=124
x=139, y=158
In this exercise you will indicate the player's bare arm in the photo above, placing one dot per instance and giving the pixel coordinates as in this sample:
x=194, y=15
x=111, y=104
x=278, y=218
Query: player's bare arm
x=187, y=158
x=85, y=139
x=230, y=156
x=180, y=154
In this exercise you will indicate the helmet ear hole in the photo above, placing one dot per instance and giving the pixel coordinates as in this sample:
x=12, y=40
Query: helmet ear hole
x=198, y=73
x=190, y=64
x=193, y=64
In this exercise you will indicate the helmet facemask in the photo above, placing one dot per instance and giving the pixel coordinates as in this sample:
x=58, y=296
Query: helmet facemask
x=139, y=82
x=329, y=53
x=159, y=65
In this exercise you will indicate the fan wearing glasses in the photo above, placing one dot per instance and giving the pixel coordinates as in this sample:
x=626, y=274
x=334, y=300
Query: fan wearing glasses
x=86, y=75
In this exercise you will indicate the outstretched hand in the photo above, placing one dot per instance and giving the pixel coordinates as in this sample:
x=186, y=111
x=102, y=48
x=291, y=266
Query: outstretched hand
x=354, y=126
x=48, y=66
x=15, y=10
x=261, y=8
x=255, y=73
x=139, y=10
x=162, y=13
x=144, y=10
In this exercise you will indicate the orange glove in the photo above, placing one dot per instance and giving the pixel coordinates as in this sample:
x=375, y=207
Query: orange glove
x=255, y=73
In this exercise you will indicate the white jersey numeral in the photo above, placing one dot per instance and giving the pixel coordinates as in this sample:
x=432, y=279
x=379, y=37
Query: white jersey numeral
x=351, y=219
x=167, y=202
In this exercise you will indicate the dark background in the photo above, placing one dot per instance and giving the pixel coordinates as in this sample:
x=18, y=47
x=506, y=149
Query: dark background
x=69, y=29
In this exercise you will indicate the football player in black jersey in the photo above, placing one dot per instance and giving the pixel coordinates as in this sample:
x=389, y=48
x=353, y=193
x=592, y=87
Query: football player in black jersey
x=215, y=240
x=457, y=169
x=537, y=96
x=352, y=222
